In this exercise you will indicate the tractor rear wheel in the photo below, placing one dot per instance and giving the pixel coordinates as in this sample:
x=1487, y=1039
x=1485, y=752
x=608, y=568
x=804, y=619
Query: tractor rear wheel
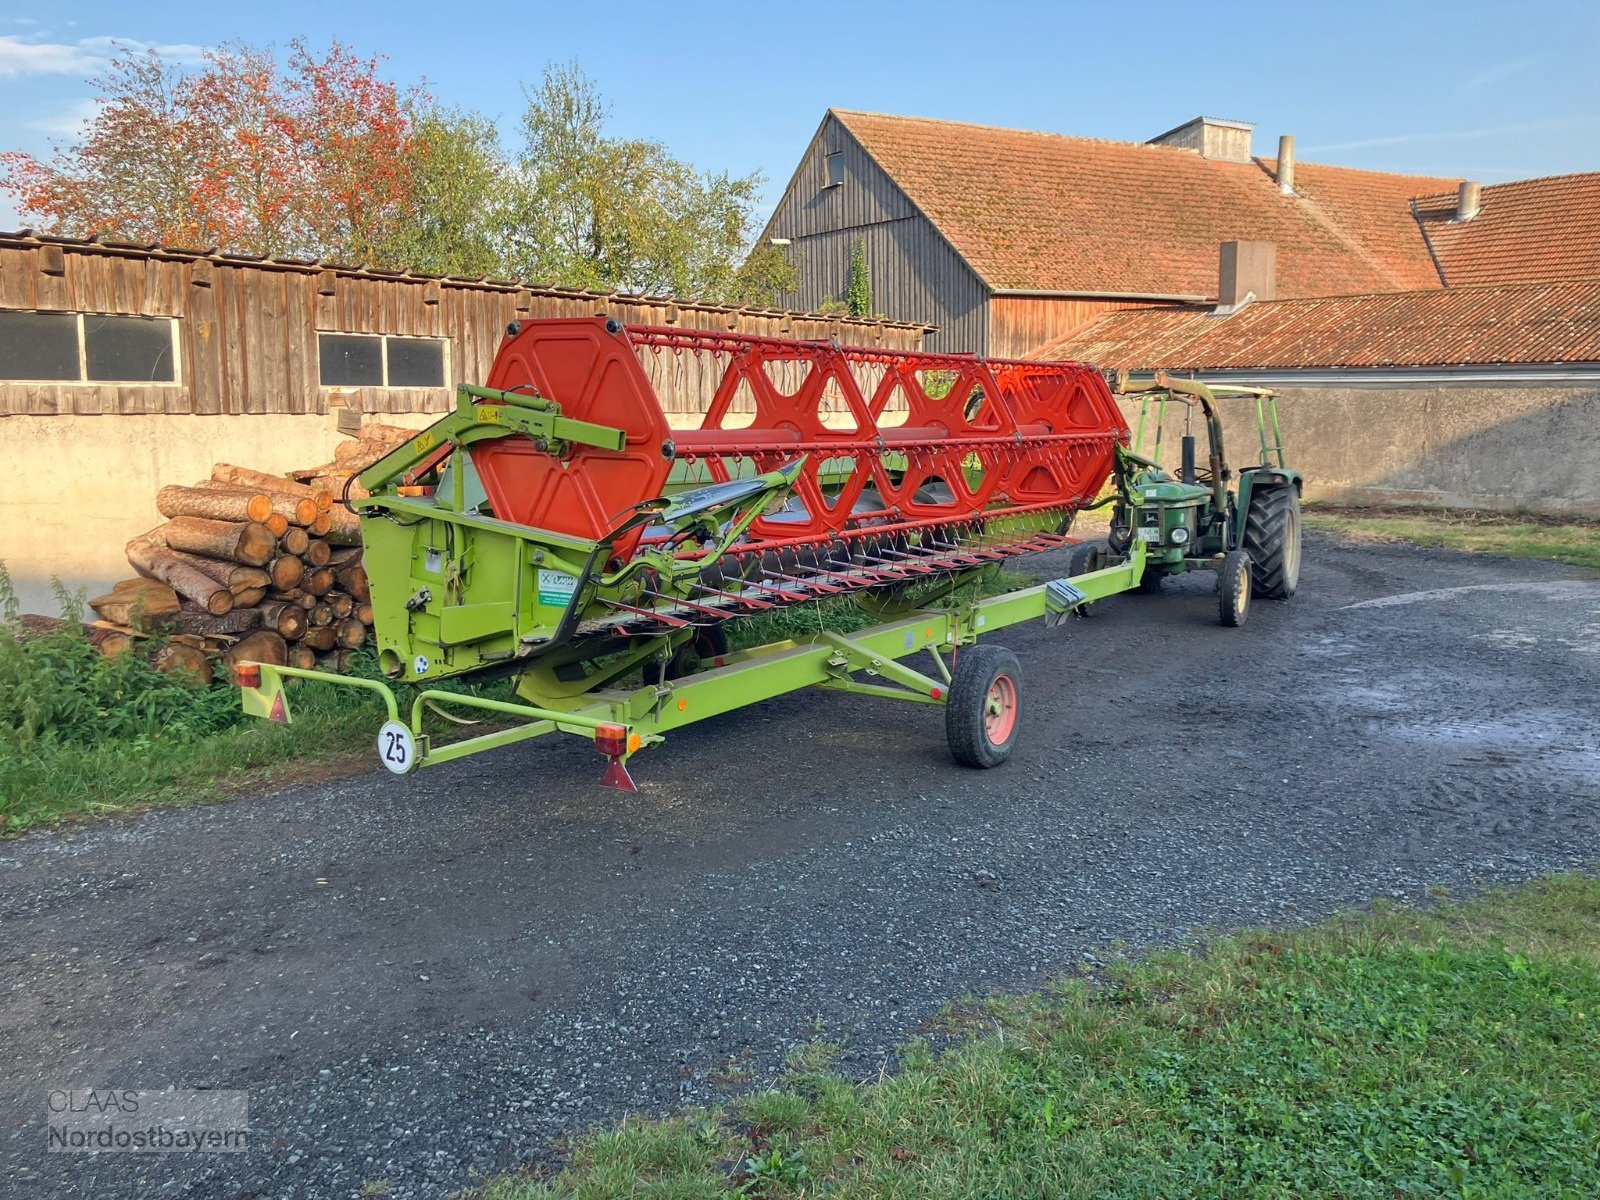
x=1233, y=589
x=984, y=709
x=1272, y=536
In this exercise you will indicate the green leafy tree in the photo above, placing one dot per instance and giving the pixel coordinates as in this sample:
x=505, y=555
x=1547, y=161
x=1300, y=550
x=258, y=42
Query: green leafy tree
x=460, y=207
x=859, y=295
x=592, y=210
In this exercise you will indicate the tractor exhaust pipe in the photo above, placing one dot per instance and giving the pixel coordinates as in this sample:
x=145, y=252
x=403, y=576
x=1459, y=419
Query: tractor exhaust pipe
x=1187, y=471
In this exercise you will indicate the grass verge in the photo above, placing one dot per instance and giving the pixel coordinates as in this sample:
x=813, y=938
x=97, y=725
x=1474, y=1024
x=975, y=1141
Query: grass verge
x=1451, y=1052
x=82, y=735
x=1510, y=535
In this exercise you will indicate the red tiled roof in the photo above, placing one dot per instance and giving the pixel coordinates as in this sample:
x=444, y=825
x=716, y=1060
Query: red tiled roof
x=1505, y=323
x=1044, y=212
x=1532, y=229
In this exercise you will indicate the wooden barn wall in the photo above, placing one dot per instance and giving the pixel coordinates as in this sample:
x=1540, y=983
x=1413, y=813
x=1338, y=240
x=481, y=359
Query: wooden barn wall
x=247, y=333
x=1019, y=325
x=916, y=275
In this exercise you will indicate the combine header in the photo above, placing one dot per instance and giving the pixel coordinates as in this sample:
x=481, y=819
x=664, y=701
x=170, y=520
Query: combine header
x=557, y=528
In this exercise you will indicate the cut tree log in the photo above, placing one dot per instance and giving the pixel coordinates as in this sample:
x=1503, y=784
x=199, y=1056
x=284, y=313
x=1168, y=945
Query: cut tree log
x=214, y=504
x=353, y=579
x=318, y=553
x=154, y=560
x=344, y=527
x=262, y=646
x=322, y=614
x=364, y=613
x=229, y=624
x=344, y=556
x=303, y=657
x=284, y=617
x=319, y=582
x=295, y=541
x=245, y=579
x=342, y=603
x=139, y=603
x=249, y=598
x=178, y=658
x=350, y=632
x=340, y=487
x=337, y=661
x=245, y=477
x=287, y=571
x=319, y=637
x=247, y=542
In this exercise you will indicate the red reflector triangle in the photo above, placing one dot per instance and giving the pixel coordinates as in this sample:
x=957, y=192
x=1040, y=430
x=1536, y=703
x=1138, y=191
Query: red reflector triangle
x=280, y=710
x=617, y=776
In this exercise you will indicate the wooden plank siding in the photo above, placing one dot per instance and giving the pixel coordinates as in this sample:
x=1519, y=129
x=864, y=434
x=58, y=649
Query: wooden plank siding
x=916, y=275
x=247, y=329
x=1019, y=325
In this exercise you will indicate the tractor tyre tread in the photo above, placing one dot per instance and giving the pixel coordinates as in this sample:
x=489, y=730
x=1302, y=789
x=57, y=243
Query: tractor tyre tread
x=1271, y=523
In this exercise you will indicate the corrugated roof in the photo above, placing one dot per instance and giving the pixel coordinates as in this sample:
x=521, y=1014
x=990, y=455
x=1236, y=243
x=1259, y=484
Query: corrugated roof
x=1049, y=213
x=26, y=238
x=1533, y=229
x=1494, y=324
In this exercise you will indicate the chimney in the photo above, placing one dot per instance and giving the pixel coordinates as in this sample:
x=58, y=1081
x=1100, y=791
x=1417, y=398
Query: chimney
x=1468, y=200
x=1247, y=271
x=1213, y=137
x=1286, y=164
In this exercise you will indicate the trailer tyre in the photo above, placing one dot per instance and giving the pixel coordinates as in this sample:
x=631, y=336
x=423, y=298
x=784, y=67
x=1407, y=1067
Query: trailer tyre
x=1233, y=589
x=1084, y=558
x=1272, y=536
x=984, y=710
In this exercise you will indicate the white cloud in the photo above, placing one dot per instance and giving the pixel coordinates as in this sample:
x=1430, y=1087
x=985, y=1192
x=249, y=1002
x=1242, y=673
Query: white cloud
x=87, y=55
x=1457, y=135
x=1498, y=73
x=66, y=121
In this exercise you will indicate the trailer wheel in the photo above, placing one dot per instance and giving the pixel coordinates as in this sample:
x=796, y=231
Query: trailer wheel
x=1272, y=536
x=709, y=642
x=984, y=710
x=1233, y=589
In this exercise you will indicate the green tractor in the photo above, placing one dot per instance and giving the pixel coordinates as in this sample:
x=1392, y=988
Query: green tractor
x=1193, y=521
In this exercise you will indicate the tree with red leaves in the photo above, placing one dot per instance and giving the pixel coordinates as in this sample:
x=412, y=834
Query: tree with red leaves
x=313, y=156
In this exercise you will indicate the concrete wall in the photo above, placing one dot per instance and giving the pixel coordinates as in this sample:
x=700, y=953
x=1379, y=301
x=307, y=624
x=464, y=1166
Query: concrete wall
x=1504, y=448
x=77, y=488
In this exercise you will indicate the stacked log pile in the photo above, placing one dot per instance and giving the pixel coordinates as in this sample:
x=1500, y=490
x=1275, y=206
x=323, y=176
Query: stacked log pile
x=252, y=567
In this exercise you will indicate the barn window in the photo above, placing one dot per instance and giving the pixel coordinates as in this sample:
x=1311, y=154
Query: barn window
x=87, y=348
x=131, y=349
x=835, y=169
x=375, y=360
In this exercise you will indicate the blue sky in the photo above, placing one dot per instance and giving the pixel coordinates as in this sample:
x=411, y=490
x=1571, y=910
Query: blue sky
x=1493, y=91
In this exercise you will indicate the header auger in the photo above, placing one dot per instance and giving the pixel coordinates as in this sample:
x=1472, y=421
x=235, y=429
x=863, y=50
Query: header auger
x=556, y=527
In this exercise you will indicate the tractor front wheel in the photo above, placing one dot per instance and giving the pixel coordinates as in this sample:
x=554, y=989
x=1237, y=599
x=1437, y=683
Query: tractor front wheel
x=1272, y=536
x=984, y=710
x=1233, y=589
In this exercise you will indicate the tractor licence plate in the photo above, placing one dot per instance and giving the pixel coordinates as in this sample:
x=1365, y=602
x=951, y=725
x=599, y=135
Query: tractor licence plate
x=1149, y=535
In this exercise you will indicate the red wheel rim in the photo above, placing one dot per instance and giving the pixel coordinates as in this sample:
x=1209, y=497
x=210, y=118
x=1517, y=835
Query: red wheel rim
x=1000, y=710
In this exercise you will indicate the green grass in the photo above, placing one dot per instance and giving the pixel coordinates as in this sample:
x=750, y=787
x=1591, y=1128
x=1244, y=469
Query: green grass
x=1511, y=535
x=1443, y=1053
x=82, y=735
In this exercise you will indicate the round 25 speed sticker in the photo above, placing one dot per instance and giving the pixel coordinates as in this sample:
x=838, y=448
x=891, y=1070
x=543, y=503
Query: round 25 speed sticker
x=397, y=749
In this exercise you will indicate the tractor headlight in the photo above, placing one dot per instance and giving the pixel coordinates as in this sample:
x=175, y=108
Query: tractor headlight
x=1180, y=535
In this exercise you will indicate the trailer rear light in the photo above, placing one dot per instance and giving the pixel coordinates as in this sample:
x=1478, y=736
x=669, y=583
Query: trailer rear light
x=247, y=675
x=611, y=740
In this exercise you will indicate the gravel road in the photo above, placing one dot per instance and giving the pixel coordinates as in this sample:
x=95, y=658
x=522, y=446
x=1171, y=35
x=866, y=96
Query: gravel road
x=428, y=979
